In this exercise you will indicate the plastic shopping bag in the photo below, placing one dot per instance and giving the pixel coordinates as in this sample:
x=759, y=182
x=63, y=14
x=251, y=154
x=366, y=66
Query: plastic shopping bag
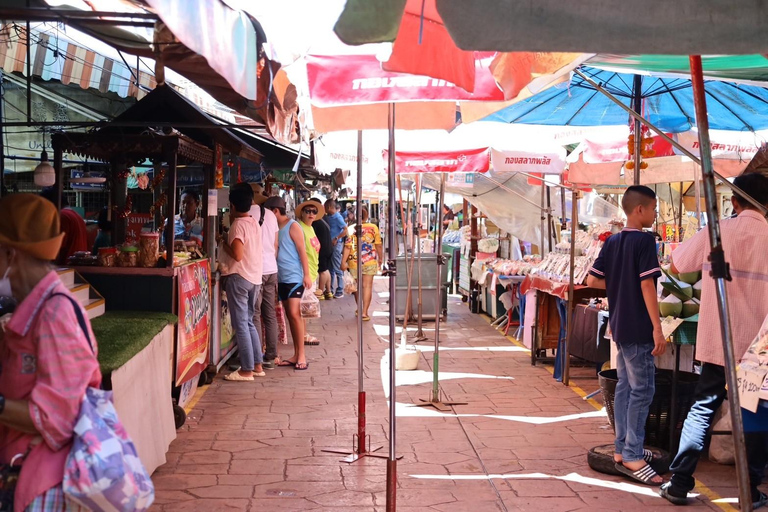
x=310, y=304
x=350, y=284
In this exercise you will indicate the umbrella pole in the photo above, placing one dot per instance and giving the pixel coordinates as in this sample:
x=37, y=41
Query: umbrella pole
x=720, y=273
x=361, y=442
x=542, y=251
x=434, y=399
x=391, y=272
x=697, y=191
x=637, y=105
x=419, y=332
x=571, y=288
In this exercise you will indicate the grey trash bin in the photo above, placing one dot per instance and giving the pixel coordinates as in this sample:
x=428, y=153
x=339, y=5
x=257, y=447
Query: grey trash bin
x=429, y=285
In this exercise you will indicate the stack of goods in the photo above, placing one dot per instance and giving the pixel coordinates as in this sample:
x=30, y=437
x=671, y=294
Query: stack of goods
x=82, y=258
x=452, y=237
x=513, y=267
x=681, y=295
x=556, y=265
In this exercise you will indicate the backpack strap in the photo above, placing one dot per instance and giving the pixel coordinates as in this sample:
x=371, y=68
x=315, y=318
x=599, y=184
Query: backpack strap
x=261, y=217
x=80, y=317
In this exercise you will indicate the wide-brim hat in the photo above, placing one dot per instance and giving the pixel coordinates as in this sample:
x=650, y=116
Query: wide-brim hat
x=311, y=202
x=30, y=223
x=258, y=194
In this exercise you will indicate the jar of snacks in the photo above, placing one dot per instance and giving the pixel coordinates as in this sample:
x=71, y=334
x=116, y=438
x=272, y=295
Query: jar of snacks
x=128, y=256
x=150, y=245
x=107, y=256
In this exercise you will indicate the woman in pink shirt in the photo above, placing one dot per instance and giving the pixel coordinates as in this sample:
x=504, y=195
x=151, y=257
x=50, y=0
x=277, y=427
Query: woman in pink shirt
x=46, y=362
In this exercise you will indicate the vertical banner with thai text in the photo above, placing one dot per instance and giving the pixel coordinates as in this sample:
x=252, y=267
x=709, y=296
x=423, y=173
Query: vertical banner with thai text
x=194, y=320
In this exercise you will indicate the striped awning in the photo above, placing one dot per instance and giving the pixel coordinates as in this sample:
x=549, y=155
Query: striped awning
x=69, y=63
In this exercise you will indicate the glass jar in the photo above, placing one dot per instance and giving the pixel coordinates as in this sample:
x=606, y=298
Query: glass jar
x=128, y=256
x=107, y=256
x=149, y=244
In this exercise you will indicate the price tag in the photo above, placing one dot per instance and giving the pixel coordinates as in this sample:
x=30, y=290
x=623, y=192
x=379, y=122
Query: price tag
x=669, y=325
x=749, y=381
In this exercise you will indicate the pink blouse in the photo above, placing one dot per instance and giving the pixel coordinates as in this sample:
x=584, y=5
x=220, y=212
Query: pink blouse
x=44, y=359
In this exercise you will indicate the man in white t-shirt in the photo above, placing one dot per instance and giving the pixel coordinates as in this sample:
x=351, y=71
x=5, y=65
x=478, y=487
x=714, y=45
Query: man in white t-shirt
x=242, y=256
x=267, y=300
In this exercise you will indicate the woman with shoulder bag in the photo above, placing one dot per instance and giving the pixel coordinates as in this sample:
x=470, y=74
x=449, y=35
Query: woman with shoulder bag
x=46, y=360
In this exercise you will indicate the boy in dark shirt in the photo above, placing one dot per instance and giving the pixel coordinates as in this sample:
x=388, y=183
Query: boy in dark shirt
x=628, y=268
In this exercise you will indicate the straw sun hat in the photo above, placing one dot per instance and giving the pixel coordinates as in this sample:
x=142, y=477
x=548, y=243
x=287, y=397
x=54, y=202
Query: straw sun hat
x=30, y=224
x=259, y=197
x=311, y=202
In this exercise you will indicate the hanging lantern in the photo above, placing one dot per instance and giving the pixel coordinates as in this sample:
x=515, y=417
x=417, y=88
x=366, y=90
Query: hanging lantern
x=45, y=174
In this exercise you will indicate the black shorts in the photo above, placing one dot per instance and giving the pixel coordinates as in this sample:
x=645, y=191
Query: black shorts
x=325, y=262
x=287, y=291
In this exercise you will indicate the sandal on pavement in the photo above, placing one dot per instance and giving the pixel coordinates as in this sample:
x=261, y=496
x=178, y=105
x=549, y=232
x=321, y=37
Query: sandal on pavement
x=311, y=340
x=366, y=318
x=644, y=475
x=286, y=363
x=302, y=366
x=236, y=377
x=666, y=492
x=648, y=456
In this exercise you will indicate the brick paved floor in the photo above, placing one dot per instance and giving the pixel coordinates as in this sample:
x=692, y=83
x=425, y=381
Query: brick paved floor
x=519, y=444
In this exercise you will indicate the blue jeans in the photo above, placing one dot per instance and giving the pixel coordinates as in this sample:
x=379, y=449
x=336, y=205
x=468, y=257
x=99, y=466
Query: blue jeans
x=336, y=272
x=634, y=394
x=241, y=296
x=709, y=395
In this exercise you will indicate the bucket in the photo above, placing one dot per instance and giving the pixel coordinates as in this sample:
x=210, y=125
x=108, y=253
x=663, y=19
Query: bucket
x=658, y=423
x=407, y=358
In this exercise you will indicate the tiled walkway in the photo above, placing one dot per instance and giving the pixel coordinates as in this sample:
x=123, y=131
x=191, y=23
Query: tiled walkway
x=519, y=444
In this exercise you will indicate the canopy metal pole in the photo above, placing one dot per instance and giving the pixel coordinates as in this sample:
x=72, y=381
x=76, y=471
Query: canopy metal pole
x=507, y=189
x=434, y=398
x=391, y=498
x=637, y=105
x=361, y=446
x=549, y=219
x=543, y=218
x=720, y=273
x=571, y=288
x=761, y=208
x=697, y=191
x=420, y=310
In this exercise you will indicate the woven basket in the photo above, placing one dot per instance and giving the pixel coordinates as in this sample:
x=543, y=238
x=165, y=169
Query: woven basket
x=658, y=423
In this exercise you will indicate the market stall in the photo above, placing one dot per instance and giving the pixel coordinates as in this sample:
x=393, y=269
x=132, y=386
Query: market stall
x=150, y=269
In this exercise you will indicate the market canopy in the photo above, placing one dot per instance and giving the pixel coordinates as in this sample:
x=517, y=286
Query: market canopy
x=685, y=27
x=667, y=103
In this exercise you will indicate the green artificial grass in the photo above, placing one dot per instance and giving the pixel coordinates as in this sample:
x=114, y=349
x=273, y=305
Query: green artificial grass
x=123, y=334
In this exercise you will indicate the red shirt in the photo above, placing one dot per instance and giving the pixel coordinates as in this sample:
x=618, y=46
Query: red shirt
x=75, y=236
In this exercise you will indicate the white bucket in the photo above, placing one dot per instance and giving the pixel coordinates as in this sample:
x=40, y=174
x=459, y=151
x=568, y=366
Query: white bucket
x=407, y=358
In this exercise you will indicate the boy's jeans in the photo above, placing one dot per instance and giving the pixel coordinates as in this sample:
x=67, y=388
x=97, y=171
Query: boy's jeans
x=633, y=397
x=241, y=297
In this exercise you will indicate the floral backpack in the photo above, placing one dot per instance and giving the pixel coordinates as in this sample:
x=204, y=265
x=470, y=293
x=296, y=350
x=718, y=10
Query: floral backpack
x=103, y=471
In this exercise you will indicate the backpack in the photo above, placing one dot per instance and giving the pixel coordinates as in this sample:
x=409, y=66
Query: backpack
x=103, y=471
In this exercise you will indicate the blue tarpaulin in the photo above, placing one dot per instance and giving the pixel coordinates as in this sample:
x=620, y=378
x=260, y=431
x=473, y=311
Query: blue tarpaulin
x=667, y=103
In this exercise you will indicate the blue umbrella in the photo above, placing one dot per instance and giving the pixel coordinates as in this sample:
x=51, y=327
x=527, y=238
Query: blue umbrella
x=667, y=103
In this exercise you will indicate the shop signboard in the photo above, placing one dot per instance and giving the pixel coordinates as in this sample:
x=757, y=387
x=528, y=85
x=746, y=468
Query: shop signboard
x=460, y=179
x=135, y=222
x=194, y=320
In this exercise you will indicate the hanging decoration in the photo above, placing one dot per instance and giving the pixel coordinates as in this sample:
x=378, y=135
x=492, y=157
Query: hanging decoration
x=646, y=150
x=161, y=201
x=127, y=209
x=219, y=177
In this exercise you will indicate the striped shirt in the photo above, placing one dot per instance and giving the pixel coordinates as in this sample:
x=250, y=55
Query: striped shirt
x=745, y=242
x=45, y=359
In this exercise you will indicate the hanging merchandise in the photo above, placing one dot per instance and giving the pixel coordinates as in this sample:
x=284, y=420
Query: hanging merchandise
x=219, y=177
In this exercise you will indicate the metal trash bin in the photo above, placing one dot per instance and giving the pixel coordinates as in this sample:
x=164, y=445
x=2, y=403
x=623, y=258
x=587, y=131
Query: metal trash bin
x=429, y=285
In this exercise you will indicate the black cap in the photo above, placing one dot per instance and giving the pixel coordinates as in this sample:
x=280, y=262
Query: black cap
x=274, y=202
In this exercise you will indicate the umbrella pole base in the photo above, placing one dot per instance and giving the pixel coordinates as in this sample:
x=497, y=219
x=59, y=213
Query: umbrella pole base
x=356, y=454
x=437, y=402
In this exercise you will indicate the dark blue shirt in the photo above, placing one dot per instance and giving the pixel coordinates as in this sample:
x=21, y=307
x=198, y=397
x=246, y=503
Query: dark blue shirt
x=627, y=259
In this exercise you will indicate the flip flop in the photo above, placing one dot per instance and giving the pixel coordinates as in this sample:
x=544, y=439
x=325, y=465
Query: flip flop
x=298, y=366
x=286, y=363
x=236, y=377
x=648, y=456
x=644, y=475
x=366, y=318
x=311, y=341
